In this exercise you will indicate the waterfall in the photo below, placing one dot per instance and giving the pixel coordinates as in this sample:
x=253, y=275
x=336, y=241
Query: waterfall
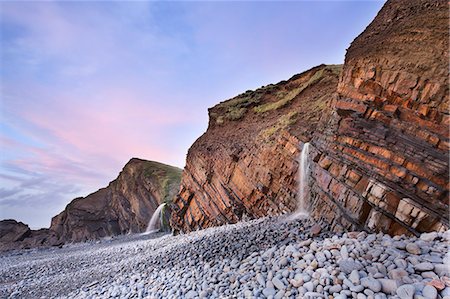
x=156, y=221
x=303, y=190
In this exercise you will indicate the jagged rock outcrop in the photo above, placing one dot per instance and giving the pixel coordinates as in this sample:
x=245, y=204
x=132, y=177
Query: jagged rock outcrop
x=126, y=205
x=12, y=231
x=379, y=150
x=16, y=235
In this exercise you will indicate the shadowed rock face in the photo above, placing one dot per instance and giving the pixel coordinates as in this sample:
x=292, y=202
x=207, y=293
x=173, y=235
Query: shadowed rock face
x=380, y=138
x=15, y=235
x=12, y=231
x=126, y=205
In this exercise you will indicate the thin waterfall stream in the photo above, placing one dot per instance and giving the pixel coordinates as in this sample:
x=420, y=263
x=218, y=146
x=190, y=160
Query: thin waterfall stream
x=155, y=222
x=303, y=189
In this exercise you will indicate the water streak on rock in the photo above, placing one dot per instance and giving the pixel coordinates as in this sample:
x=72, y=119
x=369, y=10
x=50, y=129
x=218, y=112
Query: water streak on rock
x=303, y=190
x=155, y=222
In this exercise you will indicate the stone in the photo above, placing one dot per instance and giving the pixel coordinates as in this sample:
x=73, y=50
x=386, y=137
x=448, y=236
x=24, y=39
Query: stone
x=308, y=257
x=278, y=283
x=309, y=286
x=260, y=279
x=335, y=289
x=306, y=277
x=429, y=292
x=315, y=230
x=446, y=291
x=320, y=257
x=347, y=266
x=437, y=284
x=446, y=235
x=344, y=252
x=406, y=291
x=357, y=288
x=397, y=274
x=248, y=294
x=296, y=282
x=428, y=237
x=413, y=248
x=283, y=262
x=269, y=292
x=191, y=294
x=388, y=286
x=426, y=266
x=279, y=294
x=354, y=277
x=313, y=295
x=371, y=284
x=429, y=274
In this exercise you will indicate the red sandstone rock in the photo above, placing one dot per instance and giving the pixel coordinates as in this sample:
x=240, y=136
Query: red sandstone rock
x=379, y=151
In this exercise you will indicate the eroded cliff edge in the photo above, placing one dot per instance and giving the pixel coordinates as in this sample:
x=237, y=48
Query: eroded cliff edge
x=380, y=137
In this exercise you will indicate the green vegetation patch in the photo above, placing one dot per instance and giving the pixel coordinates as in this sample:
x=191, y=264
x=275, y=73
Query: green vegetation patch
x=168, y=177
x=283, y=122
x=287, y=97
x=236, y=108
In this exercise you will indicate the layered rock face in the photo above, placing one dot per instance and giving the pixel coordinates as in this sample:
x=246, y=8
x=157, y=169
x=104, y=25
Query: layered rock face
x=126, y=205
x=245, y=164
x=380, y=138
x=383, y=162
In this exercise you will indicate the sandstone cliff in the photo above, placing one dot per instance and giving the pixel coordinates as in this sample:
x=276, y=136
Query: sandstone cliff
x=126, y=205
x=383, y=162
x=380, y=137
x=246, y=161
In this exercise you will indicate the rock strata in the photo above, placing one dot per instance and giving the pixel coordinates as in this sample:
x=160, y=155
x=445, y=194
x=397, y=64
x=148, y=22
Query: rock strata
x=379, y=137
x=245, y=165
x=382, y=162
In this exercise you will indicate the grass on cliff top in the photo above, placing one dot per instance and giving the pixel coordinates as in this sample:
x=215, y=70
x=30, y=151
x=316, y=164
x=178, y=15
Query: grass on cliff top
x=282, y=123
x=169, y=178
x=287, y=97
x=236, y=108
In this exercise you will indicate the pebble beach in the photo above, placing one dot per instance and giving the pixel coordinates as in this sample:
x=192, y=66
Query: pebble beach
x=272, y=257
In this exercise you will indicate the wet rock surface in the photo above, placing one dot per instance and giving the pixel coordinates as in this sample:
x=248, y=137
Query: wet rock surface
x=265, y=258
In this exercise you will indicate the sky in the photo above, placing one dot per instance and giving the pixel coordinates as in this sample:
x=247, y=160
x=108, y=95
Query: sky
x=85, y=86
